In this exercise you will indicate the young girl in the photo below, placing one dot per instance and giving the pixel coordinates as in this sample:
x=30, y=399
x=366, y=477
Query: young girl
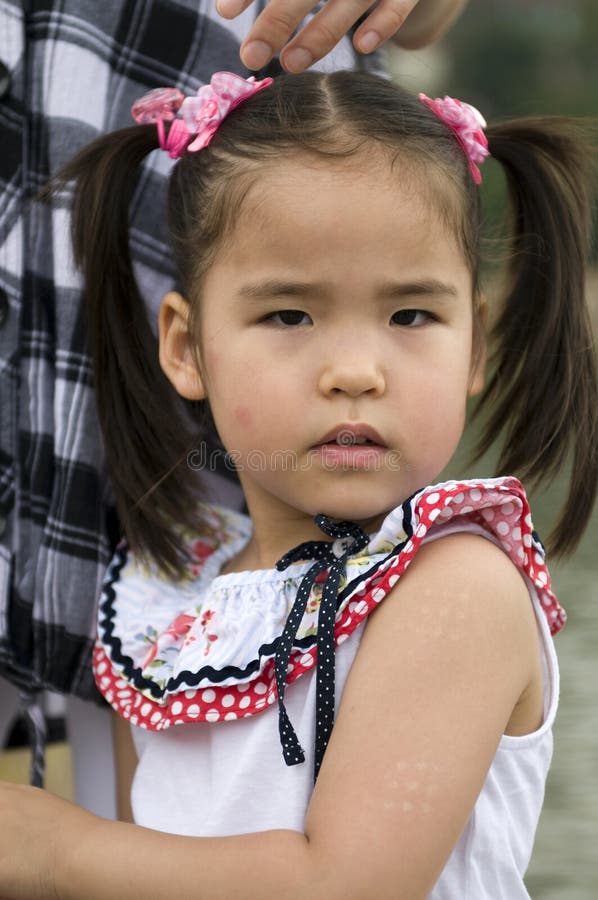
x=326, y=230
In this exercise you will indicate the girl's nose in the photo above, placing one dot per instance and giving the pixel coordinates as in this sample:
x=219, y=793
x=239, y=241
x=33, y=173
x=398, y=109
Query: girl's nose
x=352, y=376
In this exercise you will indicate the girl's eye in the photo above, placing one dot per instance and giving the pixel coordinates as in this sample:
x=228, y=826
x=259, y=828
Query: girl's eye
x=288, y=317
x=411, y=317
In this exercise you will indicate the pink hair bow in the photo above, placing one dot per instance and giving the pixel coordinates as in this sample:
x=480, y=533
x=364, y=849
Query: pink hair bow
x=196, y=119
x=467, y=123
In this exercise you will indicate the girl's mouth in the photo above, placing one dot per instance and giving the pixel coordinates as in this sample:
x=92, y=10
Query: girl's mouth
x=352, y=434
x=362, y=455
x=351, y=445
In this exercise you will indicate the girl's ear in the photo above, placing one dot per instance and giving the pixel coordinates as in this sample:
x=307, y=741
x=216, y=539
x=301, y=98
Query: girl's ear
x=178, y=357
x=479, y=350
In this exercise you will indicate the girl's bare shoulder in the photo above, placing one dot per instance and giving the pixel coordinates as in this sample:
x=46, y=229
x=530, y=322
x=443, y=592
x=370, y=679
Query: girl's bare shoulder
x=442, y=665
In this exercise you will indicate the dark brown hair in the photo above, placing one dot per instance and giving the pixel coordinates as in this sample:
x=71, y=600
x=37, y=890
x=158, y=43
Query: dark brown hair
x=542, y=394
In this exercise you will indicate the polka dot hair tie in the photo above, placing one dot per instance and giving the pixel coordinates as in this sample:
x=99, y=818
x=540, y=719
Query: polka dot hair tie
x=348, y=540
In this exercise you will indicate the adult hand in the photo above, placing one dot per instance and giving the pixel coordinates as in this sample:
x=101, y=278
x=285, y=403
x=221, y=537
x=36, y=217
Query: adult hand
x=272, y=29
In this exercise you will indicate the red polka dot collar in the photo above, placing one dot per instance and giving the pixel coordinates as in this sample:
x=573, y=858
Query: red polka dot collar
x=148, y=628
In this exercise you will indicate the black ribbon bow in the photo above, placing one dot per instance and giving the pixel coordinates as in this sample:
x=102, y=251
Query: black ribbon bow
x=348, y=540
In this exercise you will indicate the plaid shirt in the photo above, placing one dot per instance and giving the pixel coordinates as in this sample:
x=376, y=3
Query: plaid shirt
x=75, y=68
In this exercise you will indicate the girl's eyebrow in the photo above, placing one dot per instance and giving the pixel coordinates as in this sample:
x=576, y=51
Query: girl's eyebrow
x=423, y=287
x=271, y=288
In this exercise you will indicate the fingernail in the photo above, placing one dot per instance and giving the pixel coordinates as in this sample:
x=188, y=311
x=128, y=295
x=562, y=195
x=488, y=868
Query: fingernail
x=229, y=7
x=369, y=41
x=297, y=59
x=256, y=54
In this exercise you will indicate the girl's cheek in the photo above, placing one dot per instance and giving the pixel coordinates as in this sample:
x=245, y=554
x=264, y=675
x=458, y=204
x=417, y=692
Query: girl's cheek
x=212, y=359
x=243, y=417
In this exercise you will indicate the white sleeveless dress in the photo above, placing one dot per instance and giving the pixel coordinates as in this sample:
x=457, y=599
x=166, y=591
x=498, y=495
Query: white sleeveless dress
x=201, y=655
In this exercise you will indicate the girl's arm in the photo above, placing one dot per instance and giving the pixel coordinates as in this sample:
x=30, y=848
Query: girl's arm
x=442, y=664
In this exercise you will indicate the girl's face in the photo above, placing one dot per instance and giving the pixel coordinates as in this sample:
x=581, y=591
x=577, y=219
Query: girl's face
x=339, y=306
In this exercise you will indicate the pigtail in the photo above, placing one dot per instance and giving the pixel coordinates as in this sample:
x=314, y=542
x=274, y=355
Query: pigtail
x=143, y=420
x=543, y=390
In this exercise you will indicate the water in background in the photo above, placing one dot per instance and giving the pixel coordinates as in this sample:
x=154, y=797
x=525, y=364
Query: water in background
x=565, y=861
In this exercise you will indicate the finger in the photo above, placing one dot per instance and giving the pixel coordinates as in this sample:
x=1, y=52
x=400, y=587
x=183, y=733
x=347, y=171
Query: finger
x=230, y=9
x=272, y=29
x=382, y=23
x=322, y=33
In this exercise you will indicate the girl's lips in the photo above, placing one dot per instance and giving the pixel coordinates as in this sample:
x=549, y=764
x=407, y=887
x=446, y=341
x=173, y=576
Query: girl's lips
x=347, y=433
x=356, y=456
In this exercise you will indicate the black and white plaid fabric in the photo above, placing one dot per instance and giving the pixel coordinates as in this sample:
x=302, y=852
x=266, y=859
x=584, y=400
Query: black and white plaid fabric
x=72, y=69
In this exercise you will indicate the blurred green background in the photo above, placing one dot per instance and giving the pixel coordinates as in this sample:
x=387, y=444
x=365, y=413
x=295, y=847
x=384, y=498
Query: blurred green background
x=520, y=57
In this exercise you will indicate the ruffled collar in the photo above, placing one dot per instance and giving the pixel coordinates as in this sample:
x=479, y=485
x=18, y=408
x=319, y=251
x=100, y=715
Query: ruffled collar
x=204, y=649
